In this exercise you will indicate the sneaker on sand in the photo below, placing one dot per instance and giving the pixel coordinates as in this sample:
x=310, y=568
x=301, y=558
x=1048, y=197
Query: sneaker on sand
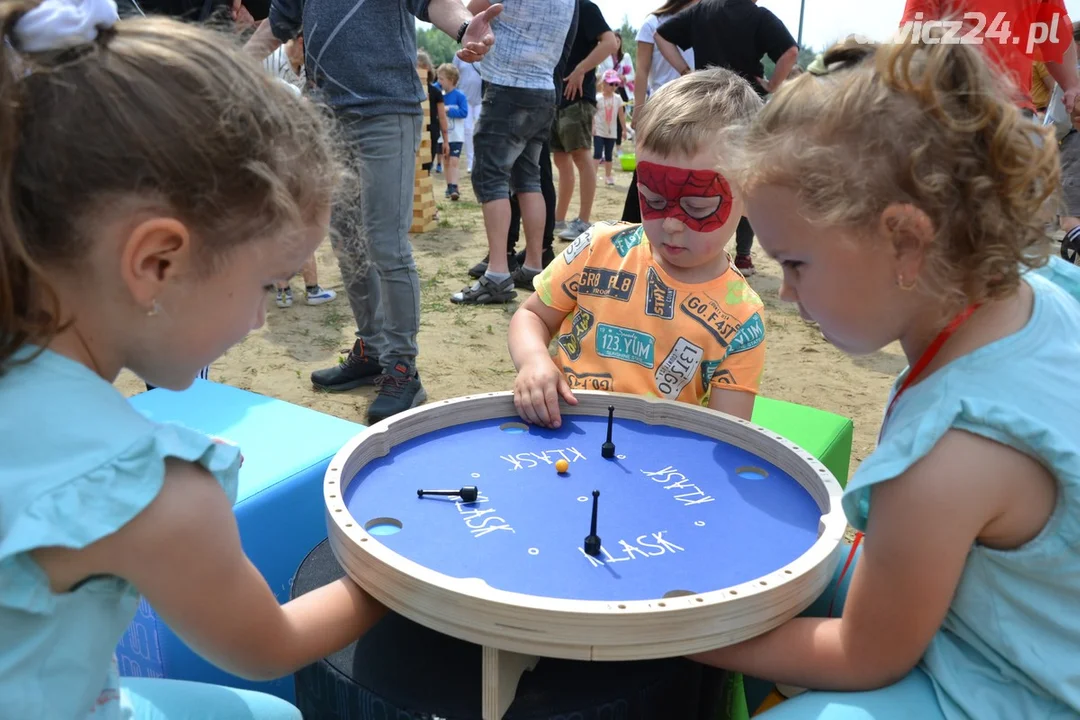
x=486, y=291
x=356, y=370
x=319, y=295
x=745, y=265
x=574, y=228
x=284, y=297
x=399, y=390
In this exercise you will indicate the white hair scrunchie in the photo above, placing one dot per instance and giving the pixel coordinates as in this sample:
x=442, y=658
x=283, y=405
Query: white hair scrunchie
x=60, y=24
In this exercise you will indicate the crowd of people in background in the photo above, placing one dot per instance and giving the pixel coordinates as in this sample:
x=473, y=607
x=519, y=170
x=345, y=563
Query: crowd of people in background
x=901, y=188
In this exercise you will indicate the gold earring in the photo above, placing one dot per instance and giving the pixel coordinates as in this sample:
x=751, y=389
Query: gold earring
x=904, y=286
x=154, y=309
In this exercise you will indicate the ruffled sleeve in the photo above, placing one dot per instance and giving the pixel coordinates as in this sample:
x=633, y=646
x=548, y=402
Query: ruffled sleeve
x=936, y=413
x=909, y=437
x=80, y=511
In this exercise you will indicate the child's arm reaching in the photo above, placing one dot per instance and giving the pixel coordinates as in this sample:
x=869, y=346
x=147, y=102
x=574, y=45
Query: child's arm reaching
x=921, y=527
x=182, y=552
x=539, y=383
x=734, y=383
x=460, y=108
x=733, y=402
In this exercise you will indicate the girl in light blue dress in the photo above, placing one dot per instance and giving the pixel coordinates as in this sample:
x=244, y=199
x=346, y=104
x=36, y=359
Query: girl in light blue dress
x=154, y=183
x=905, y=197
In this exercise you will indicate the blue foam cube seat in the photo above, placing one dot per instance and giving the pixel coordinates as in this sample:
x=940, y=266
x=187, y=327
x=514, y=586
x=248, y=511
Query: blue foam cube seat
x=279, y=507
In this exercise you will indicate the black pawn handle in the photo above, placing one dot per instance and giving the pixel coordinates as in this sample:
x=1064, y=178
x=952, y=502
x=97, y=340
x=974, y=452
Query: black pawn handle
x=592, y=542
x=469, y=493
x=595, y=502
x=607, y=450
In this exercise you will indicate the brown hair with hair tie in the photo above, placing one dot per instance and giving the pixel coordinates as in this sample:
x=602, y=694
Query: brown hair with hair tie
x=173, y=118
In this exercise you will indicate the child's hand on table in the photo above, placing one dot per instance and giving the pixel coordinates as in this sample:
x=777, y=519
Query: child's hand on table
x=537, y=390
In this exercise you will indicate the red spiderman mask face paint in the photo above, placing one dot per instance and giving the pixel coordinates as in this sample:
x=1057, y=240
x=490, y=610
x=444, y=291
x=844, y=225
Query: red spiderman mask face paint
x=700, y=199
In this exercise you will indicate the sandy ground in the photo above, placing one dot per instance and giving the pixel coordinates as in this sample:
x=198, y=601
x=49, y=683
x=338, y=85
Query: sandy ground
x=463, y=349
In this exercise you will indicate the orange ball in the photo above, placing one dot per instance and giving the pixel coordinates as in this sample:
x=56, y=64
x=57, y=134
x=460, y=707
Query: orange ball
x=561, y=465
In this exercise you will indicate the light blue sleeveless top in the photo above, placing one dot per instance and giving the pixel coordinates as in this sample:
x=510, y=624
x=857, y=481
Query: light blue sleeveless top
x=77, y=462
x=1010, y=644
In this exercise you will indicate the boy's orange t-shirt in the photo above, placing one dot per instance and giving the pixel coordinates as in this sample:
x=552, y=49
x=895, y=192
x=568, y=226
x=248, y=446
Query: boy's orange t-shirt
x=1009, y=50
x=631, y=328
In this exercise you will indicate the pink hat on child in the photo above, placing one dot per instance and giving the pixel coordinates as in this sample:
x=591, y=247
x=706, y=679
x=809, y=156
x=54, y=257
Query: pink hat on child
x=612, y=78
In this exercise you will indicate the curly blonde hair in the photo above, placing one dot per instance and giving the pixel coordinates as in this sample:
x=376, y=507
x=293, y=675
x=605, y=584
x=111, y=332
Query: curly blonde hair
x=923, y=124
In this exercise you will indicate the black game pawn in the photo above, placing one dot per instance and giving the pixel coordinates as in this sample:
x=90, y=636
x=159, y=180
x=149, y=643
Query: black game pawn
x=607, y=450
x=592, y=541
x=468, y=494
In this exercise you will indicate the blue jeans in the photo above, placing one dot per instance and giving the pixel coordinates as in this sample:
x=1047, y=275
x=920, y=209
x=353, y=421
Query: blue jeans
x=371, y=235
x=912, y=697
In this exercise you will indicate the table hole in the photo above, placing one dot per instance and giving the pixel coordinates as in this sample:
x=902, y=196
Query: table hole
x=363, y=539
x=348, y=524
x=331, y=482
x=678, y=593
x=764, y=583
x=333, y=496
x=699, y=599
x=733, y=592
x=699, y=523
x=534, y=551
x=787, y=572
x=514, y=427
x=749, y=472
x=383, y=526
x=622, y=607
x=662, y=604
x=337, y=509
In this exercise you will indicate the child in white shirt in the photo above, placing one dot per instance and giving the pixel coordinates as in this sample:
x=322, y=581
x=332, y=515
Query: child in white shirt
x=610, y=116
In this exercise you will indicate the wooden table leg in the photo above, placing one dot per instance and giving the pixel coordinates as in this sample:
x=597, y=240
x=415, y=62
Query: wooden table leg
x=501, y=673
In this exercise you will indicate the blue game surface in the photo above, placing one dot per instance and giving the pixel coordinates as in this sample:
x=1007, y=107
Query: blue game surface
x=677, y=511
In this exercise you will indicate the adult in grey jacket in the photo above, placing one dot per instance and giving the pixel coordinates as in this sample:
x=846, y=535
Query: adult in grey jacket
x=361, y=57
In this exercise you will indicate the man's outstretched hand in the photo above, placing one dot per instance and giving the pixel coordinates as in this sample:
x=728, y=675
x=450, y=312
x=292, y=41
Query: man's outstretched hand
x=478, y=37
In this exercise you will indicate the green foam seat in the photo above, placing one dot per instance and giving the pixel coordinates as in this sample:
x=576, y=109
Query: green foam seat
x=824, y=435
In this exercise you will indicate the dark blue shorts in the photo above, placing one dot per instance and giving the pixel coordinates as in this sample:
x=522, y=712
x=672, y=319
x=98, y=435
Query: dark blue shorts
x=455, y=149
x=603, y=148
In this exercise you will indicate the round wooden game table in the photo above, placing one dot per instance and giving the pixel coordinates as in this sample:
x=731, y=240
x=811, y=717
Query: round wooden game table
x=711, y=530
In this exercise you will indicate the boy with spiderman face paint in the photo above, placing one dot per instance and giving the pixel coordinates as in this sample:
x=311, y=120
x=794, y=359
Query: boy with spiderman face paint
x=656, y=308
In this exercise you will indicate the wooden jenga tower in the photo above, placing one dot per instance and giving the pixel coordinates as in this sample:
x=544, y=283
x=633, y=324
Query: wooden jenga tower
x=423, y=212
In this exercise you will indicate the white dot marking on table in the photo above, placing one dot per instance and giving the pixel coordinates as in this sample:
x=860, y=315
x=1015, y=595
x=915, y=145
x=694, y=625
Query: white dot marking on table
x=699, y=523
x=583, y=499
x=621, y=457
x=534, y=551
x=476, y=475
